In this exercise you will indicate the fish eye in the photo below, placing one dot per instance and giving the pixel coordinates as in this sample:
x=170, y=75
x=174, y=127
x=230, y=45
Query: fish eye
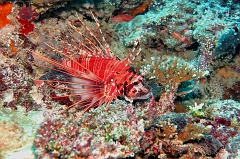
x=135, y=83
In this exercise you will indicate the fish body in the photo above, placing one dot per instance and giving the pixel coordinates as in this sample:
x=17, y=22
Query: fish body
x=96, y=75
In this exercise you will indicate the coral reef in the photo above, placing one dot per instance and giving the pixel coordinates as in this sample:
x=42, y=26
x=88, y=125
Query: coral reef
x=25, y=17
x=224, y=126
x=129, y=15
x=105, y=132
x=11, y=133
x=168, y=138
x=190, y=60
x=170, y=74
x=227, y=44
x=43, y=6
x=16, y=83
x=18, y=131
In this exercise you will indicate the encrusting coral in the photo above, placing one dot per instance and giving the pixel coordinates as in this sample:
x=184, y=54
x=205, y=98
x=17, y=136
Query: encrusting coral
x=105, y=132
x=25, y=17
x=11, y=136
x=5, y=9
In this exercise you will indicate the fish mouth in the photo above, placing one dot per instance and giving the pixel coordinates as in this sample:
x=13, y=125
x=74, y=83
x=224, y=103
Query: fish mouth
x=140, y=95
x=145, y=96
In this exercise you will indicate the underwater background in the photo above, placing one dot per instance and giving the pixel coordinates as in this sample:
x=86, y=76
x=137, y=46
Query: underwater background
x=190, y=60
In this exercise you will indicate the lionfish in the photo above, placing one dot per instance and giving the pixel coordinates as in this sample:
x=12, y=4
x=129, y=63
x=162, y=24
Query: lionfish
x=96, y=75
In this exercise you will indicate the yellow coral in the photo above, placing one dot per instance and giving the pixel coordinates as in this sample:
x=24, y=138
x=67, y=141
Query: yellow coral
x=174, y=74
x=11, y=136
x=167, y=130
x=193, y=131
x=170, y=74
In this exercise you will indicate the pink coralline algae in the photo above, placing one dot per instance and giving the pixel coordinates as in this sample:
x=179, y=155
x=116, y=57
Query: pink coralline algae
x=99, y=134
x=222, y=129
x=25, y=17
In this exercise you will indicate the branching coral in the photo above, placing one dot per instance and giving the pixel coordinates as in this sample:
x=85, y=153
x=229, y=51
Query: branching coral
x=167, y=138
x=173, y=73
x=170, y=74
x=193, y=131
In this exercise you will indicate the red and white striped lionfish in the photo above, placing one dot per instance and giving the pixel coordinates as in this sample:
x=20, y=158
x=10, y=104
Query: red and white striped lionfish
x=97, y=76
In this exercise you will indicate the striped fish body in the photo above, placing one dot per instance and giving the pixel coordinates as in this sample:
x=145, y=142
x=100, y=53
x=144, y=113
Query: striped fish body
x=117, y=78
x=95, y=75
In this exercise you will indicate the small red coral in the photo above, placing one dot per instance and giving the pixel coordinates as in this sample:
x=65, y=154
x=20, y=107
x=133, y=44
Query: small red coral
x=25, y=17
x=26, y=26
x=178, y=37
x=121, y=18
x=131, y=14
x=5, y=9
x=141, y=8
x=26, y=13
